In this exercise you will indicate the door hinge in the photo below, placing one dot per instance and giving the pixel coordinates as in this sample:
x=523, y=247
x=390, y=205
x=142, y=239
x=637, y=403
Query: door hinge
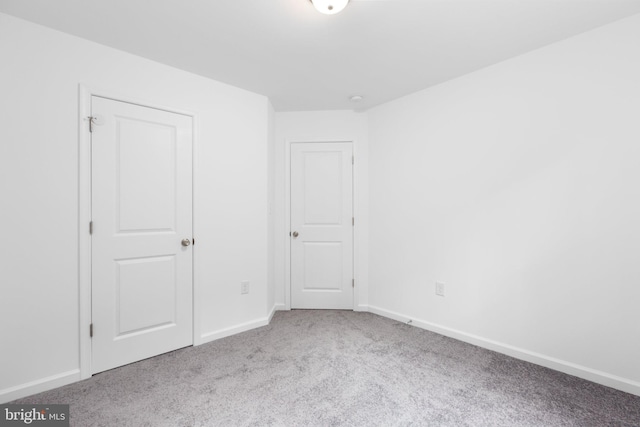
x=90, y=227
x=91, y=330
x=353, y=283
x=353, y=220
x=353, y=160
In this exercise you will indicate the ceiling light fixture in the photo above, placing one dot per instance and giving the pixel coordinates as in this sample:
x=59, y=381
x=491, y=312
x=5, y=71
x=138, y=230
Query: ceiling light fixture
x=329, y=7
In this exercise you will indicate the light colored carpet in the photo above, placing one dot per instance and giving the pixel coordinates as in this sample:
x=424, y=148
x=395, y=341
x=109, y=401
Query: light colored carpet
x=334, y=368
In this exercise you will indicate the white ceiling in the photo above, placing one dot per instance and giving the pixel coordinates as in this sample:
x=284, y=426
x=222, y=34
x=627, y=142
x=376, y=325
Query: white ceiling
x=303, y=60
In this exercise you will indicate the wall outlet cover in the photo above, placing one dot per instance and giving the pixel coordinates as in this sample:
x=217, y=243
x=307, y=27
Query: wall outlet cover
x=244, y=287
x=440, y=289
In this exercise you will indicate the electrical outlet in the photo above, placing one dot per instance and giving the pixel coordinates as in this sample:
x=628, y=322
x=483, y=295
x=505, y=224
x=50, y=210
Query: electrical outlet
x=440, y=289
x=244, y=287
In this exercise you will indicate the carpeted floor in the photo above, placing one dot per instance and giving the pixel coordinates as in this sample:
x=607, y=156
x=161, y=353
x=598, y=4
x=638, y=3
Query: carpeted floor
x=334, y=368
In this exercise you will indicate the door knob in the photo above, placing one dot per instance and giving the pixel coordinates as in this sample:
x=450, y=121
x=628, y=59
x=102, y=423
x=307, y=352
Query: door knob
x=295, y=234
x=186, y=242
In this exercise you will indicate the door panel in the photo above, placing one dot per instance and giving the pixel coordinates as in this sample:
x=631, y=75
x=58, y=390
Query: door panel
x=141, y=211
x=321, y=215
x=146, y=201
x=145, y=276
x=322, y=186
x=322, y=266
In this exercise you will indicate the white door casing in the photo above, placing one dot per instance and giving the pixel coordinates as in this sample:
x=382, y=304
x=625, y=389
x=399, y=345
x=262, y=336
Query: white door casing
x=141, y=211
x=321, y=186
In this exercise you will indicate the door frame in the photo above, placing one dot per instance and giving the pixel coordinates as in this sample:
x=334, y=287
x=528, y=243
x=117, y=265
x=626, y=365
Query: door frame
x=287, y=214
x=84, y=215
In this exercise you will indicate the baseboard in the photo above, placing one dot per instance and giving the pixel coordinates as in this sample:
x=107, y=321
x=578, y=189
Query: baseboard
x=579, y=371
x=243, y=327
x=271, y=313
x=276, y=307
x=38, y=386
x=361, y=307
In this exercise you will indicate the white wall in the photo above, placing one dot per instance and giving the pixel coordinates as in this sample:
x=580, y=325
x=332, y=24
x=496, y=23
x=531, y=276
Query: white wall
x=323, y=126
x=271, y=189
x=39, y=78
x=518, y=187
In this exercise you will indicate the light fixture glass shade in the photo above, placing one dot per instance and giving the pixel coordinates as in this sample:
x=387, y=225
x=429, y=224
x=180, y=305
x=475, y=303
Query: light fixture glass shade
x=329, y=7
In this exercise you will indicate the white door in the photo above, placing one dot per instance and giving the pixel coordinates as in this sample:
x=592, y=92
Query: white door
x=141, y=212
x=322, y=225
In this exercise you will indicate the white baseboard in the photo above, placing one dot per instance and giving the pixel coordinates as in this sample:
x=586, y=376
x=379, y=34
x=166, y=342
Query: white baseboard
x=276, y=307
x=579, y=371
x=361, y=307
x=38, y=386
x=243, y=327
x=271, y=313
